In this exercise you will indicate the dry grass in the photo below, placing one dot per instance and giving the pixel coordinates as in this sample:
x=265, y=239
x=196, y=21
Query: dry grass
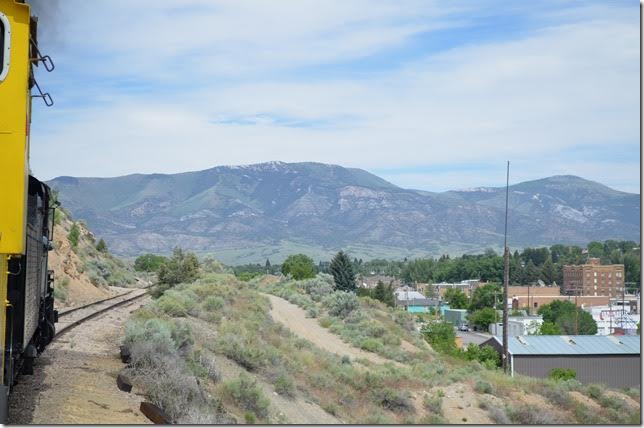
x=355, y=391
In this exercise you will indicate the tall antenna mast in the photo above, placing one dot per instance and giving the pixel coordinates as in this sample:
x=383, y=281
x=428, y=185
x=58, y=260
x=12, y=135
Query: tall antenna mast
x=506, y=276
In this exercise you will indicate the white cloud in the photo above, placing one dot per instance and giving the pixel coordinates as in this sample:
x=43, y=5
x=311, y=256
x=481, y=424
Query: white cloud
x=526, y=99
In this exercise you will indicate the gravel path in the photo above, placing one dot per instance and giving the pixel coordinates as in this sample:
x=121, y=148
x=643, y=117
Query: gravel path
x=74, y=380
x=293, y=317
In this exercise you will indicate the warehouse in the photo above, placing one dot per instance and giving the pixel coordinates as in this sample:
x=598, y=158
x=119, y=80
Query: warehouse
x=611, y=360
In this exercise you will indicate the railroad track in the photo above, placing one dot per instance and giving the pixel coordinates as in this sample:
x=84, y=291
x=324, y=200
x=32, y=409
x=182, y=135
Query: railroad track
x=92, y=310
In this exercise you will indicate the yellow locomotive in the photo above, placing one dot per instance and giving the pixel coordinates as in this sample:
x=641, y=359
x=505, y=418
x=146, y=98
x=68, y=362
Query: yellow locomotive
x=27, y=314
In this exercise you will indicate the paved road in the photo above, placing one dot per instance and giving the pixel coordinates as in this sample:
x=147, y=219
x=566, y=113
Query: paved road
x=473, y=337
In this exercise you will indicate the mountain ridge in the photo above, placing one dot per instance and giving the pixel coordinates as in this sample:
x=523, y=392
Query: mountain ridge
x=316, y=205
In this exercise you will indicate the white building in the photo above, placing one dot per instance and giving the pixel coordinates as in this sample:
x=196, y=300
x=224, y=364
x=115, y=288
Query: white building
x=608, y=318
x=519, y=326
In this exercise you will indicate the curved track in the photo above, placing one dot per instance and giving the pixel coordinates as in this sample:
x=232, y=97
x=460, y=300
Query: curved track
x=91, y=310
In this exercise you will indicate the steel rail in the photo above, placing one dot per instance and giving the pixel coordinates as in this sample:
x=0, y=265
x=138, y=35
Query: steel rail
x=78, y=308
x=73, y=324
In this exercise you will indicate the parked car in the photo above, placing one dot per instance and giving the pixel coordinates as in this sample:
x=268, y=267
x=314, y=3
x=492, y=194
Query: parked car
x=464, y=327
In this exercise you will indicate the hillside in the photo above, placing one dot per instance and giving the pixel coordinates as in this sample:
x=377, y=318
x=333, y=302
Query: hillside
x=254, y=212
x=82, y=273
x=223, y=351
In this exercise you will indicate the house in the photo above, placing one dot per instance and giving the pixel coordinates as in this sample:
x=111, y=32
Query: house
x=467, y=286
x=611, y=360
x=518, y=326
x=413, y=301
x=371, y=281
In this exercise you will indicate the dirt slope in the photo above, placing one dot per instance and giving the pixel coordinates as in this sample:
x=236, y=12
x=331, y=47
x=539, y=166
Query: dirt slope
x=82, y=273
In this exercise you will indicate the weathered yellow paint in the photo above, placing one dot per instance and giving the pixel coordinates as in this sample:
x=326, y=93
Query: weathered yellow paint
x=15, y=107
x=15, y=104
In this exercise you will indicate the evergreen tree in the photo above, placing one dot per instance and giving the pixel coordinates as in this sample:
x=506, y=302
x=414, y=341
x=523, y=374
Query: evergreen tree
x=343, y=274
x=379, y=291
x=267, y=265
x=101, y=246
x=390, y=297
x=548, y=272
x=531, y=273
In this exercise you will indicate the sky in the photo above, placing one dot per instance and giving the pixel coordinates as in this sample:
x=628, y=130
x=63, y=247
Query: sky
x=432, y=95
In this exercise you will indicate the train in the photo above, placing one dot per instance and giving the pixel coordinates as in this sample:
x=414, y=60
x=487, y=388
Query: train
x=27, y=207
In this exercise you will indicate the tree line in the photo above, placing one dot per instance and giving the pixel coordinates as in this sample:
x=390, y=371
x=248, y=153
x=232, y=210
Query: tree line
x=526, y=267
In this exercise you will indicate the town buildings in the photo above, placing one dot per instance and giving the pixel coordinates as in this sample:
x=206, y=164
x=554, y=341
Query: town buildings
x=534, y=297
x=619, y=317
x=594, y=279
x=467, y=286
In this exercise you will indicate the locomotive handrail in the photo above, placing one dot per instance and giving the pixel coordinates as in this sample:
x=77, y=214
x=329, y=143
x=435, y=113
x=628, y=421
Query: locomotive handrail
x=45, y=59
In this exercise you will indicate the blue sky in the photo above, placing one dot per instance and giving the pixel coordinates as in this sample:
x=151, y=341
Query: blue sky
x=432, y=95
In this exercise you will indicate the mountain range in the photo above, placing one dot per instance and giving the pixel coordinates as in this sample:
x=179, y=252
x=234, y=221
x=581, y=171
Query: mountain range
x=249, y=213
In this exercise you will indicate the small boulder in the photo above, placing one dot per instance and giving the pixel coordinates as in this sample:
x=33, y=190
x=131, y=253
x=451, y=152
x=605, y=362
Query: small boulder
x=155, y=414
x=123, y=383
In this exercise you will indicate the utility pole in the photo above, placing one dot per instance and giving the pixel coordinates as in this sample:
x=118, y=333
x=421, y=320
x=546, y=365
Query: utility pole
x=506, y=276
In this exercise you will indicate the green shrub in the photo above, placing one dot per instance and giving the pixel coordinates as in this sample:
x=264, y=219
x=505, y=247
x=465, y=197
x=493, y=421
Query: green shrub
x=483, y=387
x=586, y=416
x=181, y=267
x=246, y=395
x=441, y=336
x=395, y=401
x=172, y=306
x=250, y=417
x=434, y=404
x=312, y=312
x=498, y=415
x=372, y=345
x=341, y=303
x=556, y=394
x=181, y=334
x=377, y=418
x=433, y=420
x=213, y=303
x=151, y=330
x=525, y=414
x=177, y=303
x=319, y=287
x=247, y=355
x=74, y=235
x=562, y=374
x=594, y=392
x=284, y=386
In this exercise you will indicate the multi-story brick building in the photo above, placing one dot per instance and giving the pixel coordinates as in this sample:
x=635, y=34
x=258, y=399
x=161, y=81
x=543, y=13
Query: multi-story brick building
x=594, y=279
